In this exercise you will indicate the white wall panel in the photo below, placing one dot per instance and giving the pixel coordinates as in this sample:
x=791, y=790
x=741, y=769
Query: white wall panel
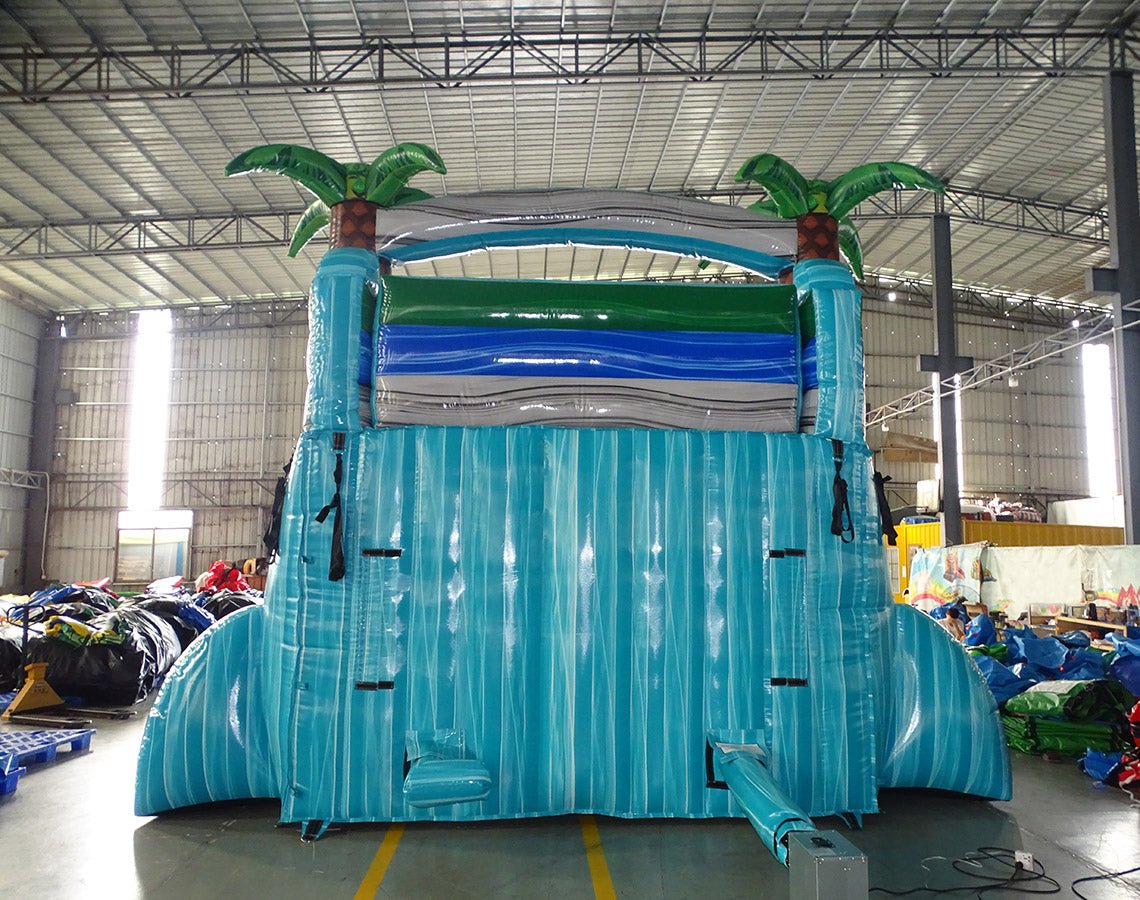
x=227, y=533
x=20, y=333
x=81, y=544
x=236, y=403
x=89, y=472
x=1028, y=438
x=236, y=399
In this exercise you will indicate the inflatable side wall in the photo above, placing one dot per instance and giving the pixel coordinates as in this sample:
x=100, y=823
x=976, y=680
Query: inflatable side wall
x=509, y=620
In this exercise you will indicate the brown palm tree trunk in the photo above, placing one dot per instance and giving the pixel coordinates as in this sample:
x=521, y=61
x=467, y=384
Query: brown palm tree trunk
x=817, y=237
x=352, y=223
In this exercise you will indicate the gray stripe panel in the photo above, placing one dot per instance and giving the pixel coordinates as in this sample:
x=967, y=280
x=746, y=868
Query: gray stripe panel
x=462, y=214
x=595, y=402
x=809, y=407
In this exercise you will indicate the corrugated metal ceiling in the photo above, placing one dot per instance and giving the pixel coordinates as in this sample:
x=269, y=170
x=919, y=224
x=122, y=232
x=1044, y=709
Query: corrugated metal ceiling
x=1038, y=138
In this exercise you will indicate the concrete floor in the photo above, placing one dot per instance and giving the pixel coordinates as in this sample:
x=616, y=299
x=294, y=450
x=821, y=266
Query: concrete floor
x=69, y=832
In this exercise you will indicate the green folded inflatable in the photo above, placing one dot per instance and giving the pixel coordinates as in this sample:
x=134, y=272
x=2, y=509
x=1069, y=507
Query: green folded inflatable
x=1081, y=701
x=1036, y=734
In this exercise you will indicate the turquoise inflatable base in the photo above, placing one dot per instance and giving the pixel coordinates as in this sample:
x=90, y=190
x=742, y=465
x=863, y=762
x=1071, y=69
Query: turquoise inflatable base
x=562, y=616
x=579, y=635
x=206, y=737
x=942, y=729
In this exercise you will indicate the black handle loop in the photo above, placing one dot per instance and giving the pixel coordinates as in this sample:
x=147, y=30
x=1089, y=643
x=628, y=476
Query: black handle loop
x=272, y=537
x=336, y=554
x=885, y=518
x=841, y=524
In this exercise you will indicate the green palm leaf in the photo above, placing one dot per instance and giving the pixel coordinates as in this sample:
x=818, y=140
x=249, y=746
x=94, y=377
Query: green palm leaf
x=392, y=169
x=312, y=220
x=854, y=186
x=322, y=175
x=851, y=246
x=767, y=206
x=786, y=186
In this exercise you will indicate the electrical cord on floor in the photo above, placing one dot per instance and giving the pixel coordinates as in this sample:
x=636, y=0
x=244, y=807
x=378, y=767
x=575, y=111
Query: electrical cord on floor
x=1073, y=886
x=1018, y=879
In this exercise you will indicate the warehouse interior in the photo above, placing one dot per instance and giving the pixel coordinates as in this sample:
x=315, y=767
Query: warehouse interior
x=157, y=368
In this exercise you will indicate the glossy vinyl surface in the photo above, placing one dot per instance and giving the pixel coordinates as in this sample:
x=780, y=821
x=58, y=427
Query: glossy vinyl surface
x=334, y=339
x=493, y=303
x=572, y=609
x=833, y=353
x=942, y=729
x=586, y=354
x=582, y=630
x=488, y=352
x=445, y=226
x=766, y=805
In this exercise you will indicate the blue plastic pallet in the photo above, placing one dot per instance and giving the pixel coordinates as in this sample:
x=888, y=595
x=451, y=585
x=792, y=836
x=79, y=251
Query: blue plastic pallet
x=21, y=748
x=8, y=779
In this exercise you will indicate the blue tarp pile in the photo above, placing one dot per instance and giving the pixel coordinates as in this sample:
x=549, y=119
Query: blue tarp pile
x=1022, y=659
x=1026, y=673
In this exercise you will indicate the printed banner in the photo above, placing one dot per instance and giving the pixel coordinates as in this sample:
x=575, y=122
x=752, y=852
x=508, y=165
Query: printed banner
x=944, y=574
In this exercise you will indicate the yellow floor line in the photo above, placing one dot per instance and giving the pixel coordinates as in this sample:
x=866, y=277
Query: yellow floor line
x=596, y=857
x=380, y=862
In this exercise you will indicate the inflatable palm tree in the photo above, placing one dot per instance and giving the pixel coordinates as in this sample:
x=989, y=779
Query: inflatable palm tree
x=348, y=195
x=820, y=208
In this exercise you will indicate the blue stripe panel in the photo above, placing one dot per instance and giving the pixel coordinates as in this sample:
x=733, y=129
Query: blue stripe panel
x=943, y=729
x=838, y=347
x=763, y=263
x=573, y=353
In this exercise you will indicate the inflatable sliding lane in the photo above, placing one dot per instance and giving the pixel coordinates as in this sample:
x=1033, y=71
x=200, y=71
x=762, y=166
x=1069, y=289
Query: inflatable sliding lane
x=580, y=560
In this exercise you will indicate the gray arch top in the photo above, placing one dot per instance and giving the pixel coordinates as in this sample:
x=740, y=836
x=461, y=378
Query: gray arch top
x=464, y=223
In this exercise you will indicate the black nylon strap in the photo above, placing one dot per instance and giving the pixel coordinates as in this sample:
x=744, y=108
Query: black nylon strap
x=841, y=524
x=336, y=554
x=889, y=531
x=272, y=537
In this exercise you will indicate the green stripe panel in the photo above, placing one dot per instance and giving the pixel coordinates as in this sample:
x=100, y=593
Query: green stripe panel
x=807, y=320
x=487, y=303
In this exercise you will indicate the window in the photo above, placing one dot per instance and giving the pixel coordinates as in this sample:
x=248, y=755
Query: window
x=150, y=410
x=152, y=544
x=1100, y=422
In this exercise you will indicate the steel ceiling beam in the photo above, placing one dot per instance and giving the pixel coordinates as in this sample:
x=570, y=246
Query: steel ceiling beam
x=234, y=313
x=22, y=478
x=240, y=231
x=38, y=74
x=135, y=235
x=981, y=301
x=968, y=300
x=994, y=210
x=1012, y=363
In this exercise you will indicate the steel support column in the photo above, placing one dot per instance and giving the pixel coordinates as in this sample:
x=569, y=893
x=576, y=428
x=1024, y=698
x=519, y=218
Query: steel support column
x=1124, y=233
x=948, y=365
x=44, y=421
